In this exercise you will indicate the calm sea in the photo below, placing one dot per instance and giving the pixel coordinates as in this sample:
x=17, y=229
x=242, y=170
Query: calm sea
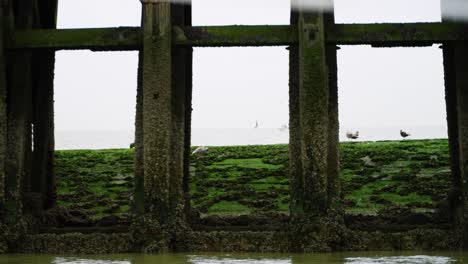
x=220, y=258
x=233, y=136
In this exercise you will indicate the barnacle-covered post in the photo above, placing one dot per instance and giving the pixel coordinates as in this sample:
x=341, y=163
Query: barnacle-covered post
x=3, y=106
x=182, y=82
x=42, y=176
x=139, y=188
x=19, y=112
x=309, y=116
x=333, y=120
x=162, y=160
x=456, y=87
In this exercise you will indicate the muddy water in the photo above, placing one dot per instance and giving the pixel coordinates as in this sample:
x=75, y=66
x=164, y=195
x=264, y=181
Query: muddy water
x=345, y=258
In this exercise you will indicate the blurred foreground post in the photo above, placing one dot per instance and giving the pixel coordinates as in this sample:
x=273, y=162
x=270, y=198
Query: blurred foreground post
x=456, y=87
x=3, y=108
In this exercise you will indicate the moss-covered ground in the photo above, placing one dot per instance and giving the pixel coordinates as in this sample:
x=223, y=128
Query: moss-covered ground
x=95, y=184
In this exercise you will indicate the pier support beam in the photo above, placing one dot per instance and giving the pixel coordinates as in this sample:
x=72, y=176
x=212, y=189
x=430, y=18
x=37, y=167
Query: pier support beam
x=43, y=179
x=295, y=163
x=456, y=90
x=182, y=82
x=461, y=71
x=19, y=101
x=139, y=189
x=3, y=109
x=162, y=126
x=333, y=120
x=456, y=75
x=309, y=128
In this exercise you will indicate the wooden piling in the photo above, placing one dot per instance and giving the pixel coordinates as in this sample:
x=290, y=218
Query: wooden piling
x=456, y=82
x=19, y=112
x=162, y=161
x=313, y=104
x=43, y=178
x=188, y=114
x=461, y=73
x=295, y=162
x=456, y=192
x=182, y=85
x=456, y=94
x=139, y=189
x=333, y=119
x=3, y=108
x=177, y=166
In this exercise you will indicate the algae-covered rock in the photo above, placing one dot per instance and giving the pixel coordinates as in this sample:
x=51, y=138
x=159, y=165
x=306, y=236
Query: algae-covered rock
x=236, y=180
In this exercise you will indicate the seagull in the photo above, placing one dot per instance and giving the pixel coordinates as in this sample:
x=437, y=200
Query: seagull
x=283, y=128
x=350, y=135
x=256, y=124
x=200, y=150
x=404, y=134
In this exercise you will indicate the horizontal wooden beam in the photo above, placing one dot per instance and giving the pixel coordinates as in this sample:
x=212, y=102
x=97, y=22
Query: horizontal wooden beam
x=123, y=38
x=388, y=35
x=222, y=36
x=391, y=35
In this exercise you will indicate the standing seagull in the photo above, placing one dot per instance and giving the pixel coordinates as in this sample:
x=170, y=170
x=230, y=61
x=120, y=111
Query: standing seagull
x=201, y=149
x=404, y=134
x=352, y=136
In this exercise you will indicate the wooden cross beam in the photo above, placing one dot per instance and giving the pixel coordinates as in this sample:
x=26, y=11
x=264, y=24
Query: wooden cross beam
x=130, y=38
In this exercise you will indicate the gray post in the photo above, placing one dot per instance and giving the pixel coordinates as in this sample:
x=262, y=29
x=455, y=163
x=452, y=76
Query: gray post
x=139, y=193
x=309, y=119
x=162, y=126
x=295, y=163
x=333, y=120
x=43, y=178
x=182, y=85
x=19, y=102
x=3, y=109
x=456, y=87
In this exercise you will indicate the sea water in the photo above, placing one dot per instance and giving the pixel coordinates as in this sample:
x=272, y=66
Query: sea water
x=88, y=139
x=220, y=258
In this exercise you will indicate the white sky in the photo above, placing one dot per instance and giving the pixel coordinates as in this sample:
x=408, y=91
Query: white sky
x=233, y=87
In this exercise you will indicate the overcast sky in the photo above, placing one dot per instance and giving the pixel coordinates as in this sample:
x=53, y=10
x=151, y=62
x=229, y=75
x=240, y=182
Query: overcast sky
x=233, y=87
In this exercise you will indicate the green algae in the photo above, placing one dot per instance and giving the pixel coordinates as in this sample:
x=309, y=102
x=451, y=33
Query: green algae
x=244, y=163
x=96, y=184
x=220, y=207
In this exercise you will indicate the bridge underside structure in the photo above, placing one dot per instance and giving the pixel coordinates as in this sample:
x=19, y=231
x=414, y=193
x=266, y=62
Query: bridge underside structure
x=29, y=39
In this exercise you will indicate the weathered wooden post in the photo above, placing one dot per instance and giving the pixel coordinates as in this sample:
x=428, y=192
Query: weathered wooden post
x=333, y=120
x=162, y=126
x=139, y=189
x=19, y=111
x=43, y=179
x=456, y=87
x=295, y=163
x=3, y=107
x=309, y=126
x=182, y=82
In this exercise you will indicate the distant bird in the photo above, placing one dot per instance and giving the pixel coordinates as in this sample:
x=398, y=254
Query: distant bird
x=404, y=134
x=351, y=135
x=283, y=128
x=256, y=124
x=200, y=150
